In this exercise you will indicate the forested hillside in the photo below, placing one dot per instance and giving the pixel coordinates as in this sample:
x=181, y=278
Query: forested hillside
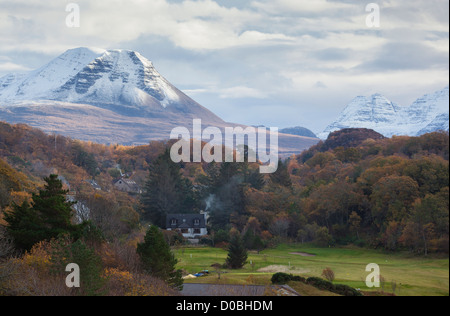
x=357, y=187
x=390, y=193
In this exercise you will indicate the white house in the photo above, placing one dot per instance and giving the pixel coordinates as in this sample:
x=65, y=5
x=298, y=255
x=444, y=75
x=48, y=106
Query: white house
x=189, y=225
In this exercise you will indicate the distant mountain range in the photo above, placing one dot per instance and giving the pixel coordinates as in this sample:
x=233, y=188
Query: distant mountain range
x=118, y=97
x=298, y=131
x=108, y=96
x=427, y=114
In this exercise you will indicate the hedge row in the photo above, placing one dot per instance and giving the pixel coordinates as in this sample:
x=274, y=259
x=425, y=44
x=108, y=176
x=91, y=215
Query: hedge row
x=283, y=278
x=341, y=289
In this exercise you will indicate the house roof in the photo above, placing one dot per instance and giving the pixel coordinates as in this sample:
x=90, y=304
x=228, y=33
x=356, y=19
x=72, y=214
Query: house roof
x=174, y=221
x=131, y=184
x=184, y=225
x=126, y=181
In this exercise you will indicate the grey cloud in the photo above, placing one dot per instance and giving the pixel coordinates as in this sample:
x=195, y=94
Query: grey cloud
x=406, y=56
x=334, y=53
x=320, y=84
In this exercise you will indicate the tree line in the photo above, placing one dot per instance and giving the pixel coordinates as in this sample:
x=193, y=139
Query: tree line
x=357, y=187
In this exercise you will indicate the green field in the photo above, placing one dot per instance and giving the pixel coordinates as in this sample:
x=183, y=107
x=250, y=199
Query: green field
x=413, y=275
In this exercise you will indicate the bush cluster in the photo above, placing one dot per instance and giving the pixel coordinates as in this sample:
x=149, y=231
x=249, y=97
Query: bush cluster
x=282, y=278
x=341, y=289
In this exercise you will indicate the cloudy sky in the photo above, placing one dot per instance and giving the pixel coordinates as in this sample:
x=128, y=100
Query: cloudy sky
x=272, y=62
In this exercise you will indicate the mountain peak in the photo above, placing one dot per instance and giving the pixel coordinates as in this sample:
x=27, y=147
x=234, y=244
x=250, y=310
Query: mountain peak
x=95, y=76
x=81, y=50
x=428, y=113
x=118, y=80
x=126, y=53
x=38, y=83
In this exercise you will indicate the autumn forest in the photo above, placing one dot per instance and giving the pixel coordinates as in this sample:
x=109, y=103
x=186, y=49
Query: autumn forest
x=356, y=188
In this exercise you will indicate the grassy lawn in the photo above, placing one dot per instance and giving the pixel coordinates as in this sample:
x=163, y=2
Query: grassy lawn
x=414, y=276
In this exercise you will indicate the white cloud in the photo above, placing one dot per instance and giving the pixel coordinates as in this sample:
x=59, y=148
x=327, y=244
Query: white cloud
x=241, y=92
x=193, y=92
x=302, y=6
x=12, y=67
x=295, y=52
x=194, y=25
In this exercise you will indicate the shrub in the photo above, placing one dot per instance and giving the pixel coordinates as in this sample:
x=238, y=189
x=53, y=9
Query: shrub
x=346, y=290
x=340, y=289
x=124, y=283
x=298, y=278
x=328, y=274
x=321, y=284
x=206, y=241
x=282, y=278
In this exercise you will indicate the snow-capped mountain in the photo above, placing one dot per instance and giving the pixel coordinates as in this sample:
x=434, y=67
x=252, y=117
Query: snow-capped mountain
x=427, y=114
x=122, y=80
x=440, y=123
x=108, y=96
x=40, y=84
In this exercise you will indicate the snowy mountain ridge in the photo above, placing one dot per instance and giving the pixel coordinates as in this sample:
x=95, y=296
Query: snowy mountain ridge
x=427, y=114
x=111, y=97
x=39, y=83
x=93, y=76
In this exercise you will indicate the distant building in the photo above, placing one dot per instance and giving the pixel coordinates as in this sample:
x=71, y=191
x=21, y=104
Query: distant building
x=127, y=185
x=189, y=225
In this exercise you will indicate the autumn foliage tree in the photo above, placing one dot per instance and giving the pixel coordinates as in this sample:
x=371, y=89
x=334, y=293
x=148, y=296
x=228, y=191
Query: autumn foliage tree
x=328, y=274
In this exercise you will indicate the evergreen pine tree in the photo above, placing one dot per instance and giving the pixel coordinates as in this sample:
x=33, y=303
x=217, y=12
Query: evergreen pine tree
x=23, y=226
x=206, y=183
x=52, y=207
x=255, y=179
x=228, y=171
x=166, y=191
x=64, y=251
x=281, y=176
x=157, y=258
x=253, y=241
x=49, y=216
x=237, y=253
